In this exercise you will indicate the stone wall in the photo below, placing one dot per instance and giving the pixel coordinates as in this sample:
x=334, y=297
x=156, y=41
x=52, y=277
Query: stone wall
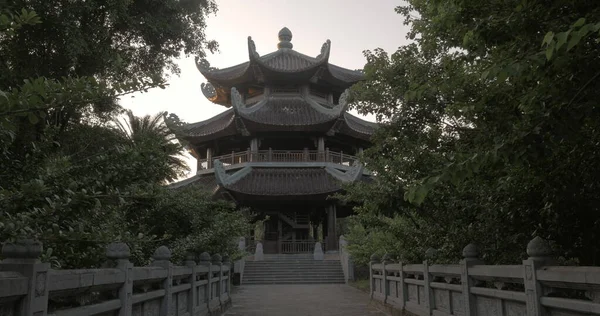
x=536, y=288
x=31, y=288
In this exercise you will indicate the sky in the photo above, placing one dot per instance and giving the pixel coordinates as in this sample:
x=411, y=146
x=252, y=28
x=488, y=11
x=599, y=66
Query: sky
x=352, y=27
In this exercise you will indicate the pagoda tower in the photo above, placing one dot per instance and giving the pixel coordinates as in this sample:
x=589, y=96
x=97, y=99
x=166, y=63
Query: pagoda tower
x=284, y=145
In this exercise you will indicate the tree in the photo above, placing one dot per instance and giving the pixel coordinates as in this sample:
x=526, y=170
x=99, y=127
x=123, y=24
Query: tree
x=70, y=178
x=490, y=120
x=115, y=46
x=151, y=131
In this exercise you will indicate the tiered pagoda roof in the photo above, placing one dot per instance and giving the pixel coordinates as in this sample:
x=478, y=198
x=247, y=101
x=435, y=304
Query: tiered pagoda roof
x=279, y=92
x=269, y=98
x=276, y=181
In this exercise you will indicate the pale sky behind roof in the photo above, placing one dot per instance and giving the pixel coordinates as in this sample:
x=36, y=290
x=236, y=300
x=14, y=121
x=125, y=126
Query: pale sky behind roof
x=352, y=26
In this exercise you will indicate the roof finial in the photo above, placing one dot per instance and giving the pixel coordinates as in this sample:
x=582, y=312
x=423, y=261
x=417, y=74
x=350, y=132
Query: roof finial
x=285, y=37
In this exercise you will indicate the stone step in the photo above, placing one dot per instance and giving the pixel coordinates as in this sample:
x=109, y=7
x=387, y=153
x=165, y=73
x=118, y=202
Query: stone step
x=316, y=274
x=282, y=267
x=336, y=272
x=311, y=263
x=295, y=282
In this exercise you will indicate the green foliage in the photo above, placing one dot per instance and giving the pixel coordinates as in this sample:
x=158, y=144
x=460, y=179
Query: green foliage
x=70, y=177
x=488, y=137
x=192, y=222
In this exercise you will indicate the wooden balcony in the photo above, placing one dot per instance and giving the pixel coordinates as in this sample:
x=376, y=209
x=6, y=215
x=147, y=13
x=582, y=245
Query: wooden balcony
x=281, y=156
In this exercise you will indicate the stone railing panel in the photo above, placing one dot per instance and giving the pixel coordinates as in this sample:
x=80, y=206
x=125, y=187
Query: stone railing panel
x=30, y=288
x=536, y=288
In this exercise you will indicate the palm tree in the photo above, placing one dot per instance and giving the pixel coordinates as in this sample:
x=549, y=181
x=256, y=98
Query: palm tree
x=151, y=131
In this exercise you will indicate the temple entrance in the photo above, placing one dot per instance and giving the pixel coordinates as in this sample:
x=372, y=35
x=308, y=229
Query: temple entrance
x=295, y=230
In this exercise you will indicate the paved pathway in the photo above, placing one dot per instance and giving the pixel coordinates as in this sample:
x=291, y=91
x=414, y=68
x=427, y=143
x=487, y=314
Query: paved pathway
x=300, y=300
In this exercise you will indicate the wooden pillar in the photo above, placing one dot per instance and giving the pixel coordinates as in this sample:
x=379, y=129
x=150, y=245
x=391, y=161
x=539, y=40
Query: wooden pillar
x=321, y=148
x=253, y=149
x=331, y=229
x=209, y=155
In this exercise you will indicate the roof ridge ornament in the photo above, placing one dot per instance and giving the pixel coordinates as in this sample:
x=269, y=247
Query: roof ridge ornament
x=285, y=38
x=209, y=91
x=221, y=175
x=325, y=50
x=252, y=53
x=238, y=105
x=202, y=64
x=342, y=107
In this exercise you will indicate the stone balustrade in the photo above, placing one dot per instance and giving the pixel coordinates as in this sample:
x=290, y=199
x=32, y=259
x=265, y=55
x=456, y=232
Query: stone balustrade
x=31, y=288
x=536, y=288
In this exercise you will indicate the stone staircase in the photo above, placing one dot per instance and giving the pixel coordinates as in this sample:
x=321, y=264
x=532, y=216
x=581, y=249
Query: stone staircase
x=292, y=269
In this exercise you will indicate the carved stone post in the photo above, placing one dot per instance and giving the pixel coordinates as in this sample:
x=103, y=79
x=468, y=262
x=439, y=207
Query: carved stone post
x=238, y=266
x=270, y=155
x=428, y=291
x=540, y=254
x=204, y=260
x=258, y=253
x=161, y=257
x=347, y=262
x=22, y=257
x=318, y=252
x=227, y=284
x=119, y=253
x=193, y=280
x=217, y=266
x=385, y=260
x=470, y=254
x=403, y=295
x=372, y=285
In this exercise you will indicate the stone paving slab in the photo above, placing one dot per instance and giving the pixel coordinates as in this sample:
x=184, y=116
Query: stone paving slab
x=300, y=300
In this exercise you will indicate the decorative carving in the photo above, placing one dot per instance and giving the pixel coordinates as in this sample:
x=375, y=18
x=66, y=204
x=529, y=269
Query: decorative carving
x=40, y=284
x=202, y=64
x=252, y=54
x=204, y=257
x=118, y=250
x=237, y=102
x=499, y=285
x=258, y=74
x=539, y=248
x=208, y=90
x=162, y=253
x=343, y=102
x=216, y=258
x=470, y=252
x=318, y=252
x=325, y=49
x=220, y=175
x=22, y=249
x=285, y=38
x=374, y=258
x=355, y=172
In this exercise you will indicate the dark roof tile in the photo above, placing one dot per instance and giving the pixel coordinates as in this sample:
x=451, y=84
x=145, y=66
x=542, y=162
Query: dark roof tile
x=286, y=182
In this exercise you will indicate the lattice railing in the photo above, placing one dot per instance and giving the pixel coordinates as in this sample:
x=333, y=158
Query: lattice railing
x=234, y=158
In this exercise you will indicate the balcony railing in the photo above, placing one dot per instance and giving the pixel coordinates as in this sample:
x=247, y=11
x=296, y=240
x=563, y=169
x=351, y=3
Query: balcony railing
x=282, y=156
